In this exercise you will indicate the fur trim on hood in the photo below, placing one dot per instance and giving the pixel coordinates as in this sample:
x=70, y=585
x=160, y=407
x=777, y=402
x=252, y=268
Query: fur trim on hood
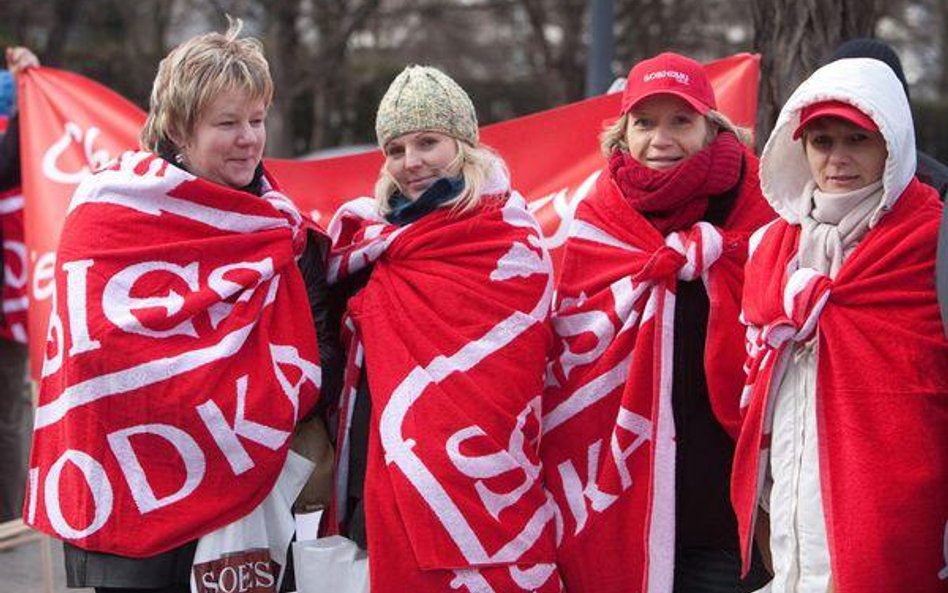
x=870, y=86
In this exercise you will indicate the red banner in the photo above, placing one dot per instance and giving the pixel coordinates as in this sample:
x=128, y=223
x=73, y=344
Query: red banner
x=71, y=125
x=15, y=298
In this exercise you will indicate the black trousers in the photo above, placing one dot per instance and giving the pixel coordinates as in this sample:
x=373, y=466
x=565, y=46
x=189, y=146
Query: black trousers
x=16, y=420
x=708, y=570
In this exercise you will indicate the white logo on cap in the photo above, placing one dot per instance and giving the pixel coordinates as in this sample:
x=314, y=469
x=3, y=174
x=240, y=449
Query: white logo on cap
x=681, y=77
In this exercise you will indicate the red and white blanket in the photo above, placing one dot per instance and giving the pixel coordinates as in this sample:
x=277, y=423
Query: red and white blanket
x=881, y=399
x=15, y=268
x=180, y=356
x=453, y=330
x=608, y=446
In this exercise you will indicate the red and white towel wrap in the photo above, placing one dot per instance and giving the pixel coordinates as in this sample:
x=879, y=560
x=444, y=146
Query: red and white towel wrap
x=881, y=395
x=180, y=356
x=608, y=446
x=453, y=329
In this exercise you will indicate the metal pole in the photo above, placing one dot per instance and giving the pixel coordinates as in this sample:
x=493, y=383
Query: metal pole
x=601, y=46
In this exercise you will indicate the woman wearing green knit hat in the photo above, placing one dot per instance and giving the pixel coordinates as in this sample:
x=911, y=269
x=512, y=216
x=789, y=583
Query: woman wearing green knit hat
x=447, y=289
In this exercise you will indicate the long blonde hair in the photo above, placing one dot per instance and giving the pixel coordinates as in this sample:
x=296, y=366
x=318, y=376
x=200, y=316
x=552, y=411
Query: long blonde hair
x=613, y=135
x=477, y=164
x=193, y=74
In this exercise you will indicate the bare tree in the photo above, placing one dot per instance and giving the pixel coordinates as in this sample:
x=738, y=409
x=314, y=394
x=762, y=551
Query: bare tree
x=558, y=51
x=794, y=37
x=334, y=22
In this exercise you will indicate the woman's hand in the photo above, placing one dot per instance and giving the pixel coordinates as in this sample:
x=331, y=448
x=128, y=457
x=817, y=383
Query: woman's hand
x=19, y=59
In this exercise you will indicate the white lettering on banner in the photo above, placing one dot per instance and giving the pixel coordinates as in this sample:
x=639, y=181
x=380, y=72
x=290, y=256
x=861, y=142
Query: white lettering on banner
x=118, y=302
x=18, y=252
x=11, y=204
x=638, y=425
x=95, y=159
x=532, y=578
x=227, y=288
x=472, y=580
x=96, y=480
x=288, y=355
x=494, y=464
x=138, y=376
x=626, y=295
x=528, y=579
x=226, y=436
x=187, y=448
x=520, y=261
x=576, y=492
x=595, y=322
x=44, y=276
x=160, y=200
x=54, y=335
x=565, y=209
x=76, y=304
x=399, y=450
x=587, y=395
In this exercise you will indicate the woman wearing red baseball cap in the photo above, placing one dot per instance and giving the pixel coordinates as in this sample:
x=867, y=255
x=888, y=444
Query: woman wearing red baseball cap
x=642, y=409
x=845, y=436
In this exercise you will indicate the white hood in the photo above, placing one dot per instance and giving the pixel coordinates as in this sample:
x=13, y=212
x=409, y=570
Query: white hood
x=872, y=87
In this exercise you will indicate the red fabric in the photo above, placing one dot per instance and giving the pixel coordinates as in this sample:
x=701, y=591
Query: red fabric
x=881, y=395
x=669, y=73
x=180, y=355
x=608, y=445
x=453, y=323
x=13, y=324
x=674, y=199
x=70, y=124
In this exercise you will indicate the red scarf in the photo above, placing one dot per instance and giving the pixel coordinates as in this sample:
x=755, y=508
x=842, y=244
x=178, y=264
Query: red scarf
x=675, y=199
x=453, y=326
x=15, y=296
x=180, y=356
x=609, y=436
x=881, y=395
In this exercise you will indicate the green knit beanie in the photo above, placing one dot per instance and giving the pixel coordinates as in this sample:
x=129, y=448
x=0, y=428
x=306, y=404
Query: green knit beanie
x=423, y=98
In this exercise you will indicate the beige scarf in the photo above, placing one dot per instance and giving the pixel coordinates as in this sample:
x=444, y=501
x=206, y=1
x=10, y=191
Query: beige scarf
x=833, y=224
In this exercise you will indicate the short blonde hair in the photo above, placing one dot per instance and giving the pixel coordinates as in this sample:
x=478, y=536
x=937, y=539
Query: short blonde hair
x=613, y=135
x=477, y=164
x=193, y=74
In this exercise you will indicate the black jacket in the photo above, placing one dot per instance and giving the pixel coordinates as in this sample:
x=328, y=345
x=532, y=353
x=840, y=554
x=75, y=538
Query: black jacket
x=932, y=172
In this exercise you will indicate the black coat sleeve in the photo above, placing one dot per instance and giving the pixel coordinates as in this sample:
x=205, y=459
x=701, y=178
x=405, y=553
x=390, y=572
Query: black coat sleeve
x=10, y=155
x=312, y=265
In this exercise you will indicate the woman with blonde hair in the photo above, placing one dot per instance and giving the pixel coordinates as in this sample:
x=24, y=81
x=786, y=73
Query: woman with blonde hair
x=448, y=290
x=178, y=363
x=641, y=409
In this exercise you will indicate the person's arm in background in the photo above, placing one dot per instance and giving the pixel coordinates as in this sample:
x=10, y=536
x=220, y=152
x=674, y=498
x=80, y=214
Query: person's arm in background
x=18, y=59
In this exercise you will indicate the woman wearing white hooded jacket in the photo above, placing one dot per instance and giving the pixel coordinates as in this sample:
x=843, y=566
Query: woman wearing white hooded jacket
x=846, y=428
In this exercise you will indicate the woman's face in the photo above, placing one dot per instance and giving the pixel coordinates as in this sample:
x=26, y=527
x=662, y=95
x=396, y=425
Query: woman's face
x=842, y=156
x=228, y=140
x=664, y=130
x=417, y=159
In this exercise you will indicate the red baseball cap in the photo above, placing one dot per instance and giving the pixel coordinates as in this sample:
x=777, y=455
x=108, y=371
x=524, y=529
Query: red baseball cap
x=834, y=109
x=670, y=74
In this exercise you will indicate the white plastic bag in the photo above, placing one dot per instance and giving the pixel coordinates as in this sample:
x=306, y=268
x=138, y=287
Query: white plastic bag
x=332, y=564
x=249, y=555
